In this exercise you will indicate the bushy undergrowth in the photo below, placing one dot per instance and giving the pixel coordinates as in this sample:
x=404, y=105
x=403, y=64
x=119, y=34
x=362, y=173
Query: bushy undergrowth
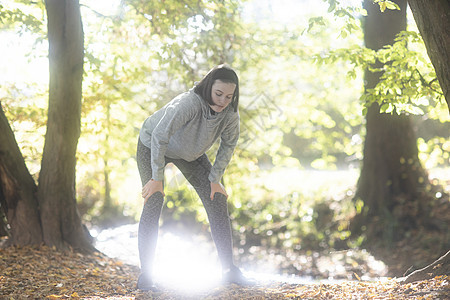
x=293, y=220
x=299, y=218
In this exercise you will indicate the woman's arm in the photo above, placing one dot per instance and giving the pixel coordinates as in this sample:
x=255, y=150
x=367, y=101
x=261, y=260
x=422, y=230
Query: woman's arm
x=228, y=141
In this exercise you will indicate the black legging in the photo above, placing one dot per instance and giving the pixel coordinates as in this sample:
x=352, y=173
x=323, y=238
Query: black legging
x=196, y=172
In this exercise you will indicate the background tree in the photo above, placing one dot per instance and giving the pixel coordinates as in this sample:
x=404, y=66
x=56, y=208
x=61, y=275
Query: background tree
x=392, y=176
x=55, y=197
x=56, y=190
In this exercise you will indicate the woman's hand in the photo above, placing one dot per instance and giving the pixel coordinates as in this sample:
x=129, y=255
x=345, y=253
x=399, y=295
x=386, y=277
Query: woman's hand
x=217, y=188
x=151, y=187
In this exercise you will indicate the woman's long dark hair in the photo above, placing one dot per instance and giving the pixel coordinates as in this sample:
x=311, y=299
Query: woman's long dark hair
x=223, y=73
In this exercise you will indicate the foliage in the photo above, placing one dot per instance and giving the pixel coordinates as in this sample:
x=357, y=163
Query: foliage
x=293, y=210
x=25, y=101
x=20, y=15
x=386, y=4
x=408, y=82
x=27, y=119
x=349, y=14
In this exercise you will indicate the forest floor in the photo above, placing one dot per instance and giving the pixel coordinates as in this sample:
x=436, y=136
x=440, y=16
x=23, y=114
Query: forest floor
x=44, y=273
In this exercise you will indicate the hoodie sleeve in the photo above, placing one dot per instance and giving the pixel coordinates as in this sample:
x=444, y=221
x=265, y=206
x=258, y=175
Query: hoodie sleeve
x=228, y=141
x=176, y=114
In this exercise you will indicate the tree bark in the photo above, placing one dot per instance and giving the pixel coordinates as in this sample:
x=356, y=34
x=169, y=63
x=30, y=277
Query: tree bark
x=392, y=176
x=56, y=190
x=17, y=190
x=433, y=20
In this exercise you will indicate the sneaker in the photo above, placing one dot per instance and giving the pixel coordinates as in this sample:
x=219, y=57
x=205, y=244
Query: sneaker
x=234, y=275
x=145, y=283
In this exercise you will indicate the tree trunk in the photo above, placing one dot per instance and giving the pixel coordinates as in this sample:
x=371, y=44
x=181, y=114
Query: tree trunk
x=107, y=203
x=17, y=190
x=56, y=190
x=433, y=20
x=392, y=176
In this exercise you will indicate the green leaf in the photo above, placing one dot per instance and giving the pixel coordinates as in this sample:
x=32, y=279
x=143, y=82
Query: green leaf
x=332, y=6
x=364, y=111
x=392, y=5
x=384, y=107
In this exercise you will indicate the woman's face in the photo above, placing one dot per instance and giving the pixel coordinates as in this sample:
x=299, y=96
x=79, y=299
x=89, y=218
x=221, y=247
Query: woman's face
x=221, y=94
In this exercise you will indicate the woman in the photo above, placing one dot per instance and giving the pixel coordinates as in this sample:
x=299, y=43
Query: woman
x=181, y=132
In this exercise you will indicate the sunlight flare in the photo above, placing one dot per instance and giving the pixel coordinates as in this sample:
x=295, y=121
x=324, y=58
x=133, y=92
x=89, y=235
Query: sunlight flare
x=188, y=264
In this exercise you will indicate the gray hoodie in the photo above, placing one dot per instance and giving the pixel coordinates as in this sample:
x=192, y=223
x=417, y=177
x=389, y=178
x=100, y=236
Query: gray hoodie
x=185, y=128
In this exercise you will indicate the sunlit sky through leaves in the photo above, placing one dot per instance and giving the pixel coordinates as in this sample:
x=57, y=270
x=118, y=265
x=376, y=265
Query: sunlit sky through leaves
x=18, y=66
